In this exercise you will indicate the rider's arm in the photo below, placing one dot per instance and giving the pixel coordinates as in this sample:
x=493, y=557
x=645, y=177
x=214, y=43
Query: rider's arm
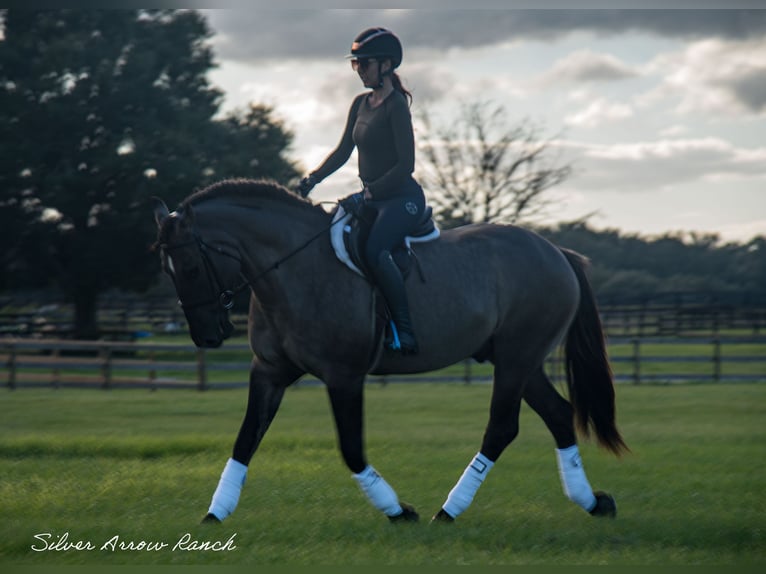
x=342, y=152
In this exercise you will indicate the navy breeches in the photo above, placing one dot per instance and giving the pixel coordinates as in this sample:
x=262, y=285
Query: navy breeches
x=395, y=218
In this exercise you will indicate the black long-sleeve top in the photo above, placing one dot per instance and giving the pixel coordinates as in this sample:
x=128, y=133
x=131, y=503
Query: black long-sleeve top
x=385, y=142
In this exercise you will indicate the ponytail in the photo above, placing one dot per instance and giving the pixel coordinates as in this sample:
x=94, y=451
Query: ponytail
x=399, y=87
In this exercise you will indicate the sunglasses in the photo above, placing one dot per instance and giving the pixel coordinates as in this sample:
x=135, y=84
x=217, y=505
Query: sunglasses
x=361, y=63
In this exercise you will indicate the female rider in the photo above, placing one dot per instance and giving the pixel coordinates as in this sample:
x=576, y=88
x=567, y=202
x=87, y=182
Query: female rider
x=380, y=126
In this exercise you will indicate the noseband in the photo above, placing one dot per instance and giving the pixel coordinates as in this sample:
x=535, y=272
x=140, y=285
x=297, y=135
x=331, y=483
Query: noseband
x=225, y=297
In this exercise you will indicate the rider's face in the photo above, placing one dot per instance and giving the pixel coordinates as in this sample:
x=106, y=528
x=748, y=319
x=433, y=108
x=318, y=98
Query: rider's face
x=369, y=70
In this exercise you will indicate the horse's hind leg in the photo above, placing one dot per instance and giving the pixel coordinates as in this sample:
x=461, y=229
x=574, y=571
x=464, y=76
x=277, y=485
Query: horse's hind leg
x=267, y=387
x=502, y=428
x=556, y=413
x=347, y=398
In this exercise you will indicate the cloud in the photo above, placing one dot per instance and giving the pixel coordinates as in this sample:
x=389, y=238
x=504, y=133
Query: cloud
x=429, y=82
x=673, y=131
x=599, y=112
x=586, y=66
x=723, y=77
x=743, y=231
x=749, y=89
x=663, y=164
x=256, y=34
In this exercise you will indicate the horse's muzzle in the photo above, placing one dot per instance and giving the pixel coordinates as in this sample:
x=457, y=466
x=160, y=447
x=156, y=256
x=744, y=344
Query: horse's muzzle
x=213, y=341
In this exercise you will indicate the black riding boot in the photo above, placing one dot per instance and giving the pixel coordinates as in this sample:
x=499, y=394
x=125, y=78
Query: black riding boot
x=391, y=283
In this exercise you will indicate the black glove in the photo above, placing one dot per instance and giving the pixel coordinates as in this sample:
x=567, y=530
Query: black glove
x=306, y=185
x=353, y=203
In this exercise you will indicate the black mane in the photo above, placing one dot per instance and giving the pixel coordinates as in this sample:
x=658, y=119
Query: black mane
x=250, y=190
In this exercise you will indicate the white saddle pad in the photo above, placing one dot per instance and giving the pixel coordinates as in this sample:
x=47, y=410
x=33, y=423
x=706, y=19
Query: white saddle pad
x=341, y=225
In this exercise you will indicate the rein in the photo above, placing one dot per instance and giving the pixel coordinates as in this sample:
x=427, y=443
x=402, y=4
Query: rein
x=226, y=296
x=294, y=252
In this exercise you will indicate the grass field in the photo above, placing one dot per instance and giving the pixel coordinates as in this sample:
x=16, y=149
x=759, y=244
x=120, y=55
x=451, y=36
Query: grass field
x=142, y=466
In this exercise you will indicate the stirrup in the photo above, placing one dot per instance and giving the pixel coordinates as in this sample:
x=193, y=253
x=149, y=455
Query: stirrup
x=395, y=342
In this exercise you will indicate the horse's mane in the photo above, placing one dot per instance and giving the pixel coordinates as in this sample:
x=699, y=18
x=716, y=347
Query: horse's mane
x=250, y=190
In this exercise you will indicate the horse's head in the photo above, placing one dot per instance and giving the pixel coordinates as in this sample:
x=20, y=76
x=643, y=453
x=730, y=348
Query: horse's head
x=206, y=274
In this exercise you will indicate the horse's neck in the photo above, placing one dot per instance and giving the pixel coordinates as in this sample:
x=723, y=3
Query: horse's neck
x=275, y=236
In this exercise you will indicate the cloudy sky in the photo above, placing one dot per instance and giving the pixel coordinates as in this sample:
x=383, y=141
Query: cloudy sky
x=662, y=113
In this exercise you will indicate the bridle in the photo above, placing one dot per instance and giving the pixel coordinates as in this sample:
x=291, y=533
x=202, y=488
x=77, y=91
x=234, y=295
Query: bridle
x=225, y=297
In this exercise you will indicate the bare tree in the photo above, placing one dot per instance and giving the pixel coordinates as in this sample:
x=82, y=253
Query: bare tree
x=479, y=169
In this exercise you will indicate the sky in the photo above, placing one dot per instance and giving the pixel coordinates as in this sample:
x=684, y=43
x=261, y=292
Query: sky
x=661, y=113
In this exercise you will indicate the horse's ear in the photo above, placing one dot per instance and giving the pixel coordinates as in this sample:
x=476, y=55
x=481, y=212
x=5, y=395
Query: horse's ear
x=160, y=210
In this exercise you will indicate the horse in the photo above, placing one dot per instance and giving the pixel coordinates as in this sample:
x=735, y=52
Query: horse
x=493, y=292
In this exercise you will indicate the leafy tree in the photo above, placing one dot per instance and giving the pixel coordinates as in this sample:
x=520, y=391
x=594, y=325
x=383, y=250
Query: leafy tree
x=99, y=110
x=479, y=168
x=628, y=267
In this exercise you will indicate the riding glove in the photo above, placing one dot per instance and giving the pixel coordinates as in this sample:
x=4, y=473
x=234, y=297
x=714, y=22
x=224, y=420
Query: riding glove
x=353, y=203
x=306, y=185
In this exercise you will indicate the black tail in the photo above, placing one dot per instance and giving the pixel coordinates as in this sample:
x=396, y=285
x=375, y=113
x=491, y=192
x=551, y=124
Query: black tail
x=589, y=376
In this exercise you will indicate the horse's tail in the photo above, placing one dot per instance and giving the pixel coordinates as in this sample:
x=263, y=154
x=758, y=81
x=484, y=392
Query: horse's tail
x=589, y=376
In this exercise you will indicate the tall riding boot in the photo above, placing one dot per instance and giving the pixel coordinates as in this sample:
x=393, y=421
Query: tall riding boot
x=391, y=283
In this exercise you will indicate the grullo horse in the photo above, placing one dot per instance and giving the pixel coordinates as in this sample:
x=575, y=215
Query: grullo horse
x=497, y=293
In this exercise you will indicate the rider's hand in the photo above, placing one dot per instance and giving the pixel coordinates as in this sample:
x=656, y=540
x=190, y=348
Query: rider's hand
x=353, y=203
x=306, y=185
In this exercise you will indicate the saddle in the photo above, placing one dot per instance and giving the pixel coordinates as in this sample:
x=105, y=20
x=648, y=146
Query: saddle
x=348, y=234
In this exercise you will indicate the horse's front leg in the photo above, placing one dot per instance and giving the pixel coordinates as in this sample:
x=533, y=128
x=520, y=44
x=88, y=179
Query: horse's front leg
x=347, y=400
x=267, y=387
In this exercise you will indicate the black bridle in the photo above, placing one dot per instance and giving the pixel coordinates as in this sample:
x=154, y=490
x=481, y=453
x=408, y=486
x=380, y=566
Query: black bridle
x=225, y=297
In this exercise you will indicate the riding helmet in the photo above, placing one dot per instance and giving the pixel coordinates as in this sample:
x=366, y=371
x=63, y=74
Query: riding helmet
x=377, y=43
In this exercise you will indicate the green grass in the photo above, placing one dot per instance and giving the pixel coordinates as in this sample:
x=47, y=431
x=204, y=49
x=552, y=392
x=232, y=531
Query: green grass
x=143, y=465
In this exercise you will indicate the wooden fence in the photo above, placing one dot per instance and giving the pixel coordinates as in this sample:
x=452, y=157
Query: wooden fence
x=130, y=318
x=105, y=364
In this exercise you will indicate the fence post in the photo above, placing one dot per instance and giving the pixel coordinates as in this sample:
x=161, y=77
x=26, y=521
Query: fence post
x=636, y=361
x=11, y=366
x=201, y=370
x=106, y=368
x=152, y=371
x=56, y=371
x=717, y=360
x=467, y=371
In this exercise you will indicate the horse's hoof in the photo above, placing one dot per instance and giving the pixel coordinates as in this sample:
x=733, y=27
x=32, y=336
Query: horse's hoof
x=210, y=518
x=442, y=516
x=605, y=505
x=408, y=514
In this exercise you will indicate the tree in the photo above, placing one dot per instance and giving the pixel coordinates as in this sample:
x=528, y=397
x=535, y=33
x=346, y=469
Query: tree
x=99, y=110
x=628, y=267
x=478, y=169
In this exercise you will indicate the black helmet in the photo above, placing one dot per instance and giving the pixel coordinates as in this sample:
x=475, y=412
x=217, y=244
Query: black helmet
x=377, y=43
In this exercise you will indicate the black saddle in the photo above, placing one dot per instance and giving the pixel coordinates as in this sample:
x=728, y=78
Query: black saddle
x=357, y=229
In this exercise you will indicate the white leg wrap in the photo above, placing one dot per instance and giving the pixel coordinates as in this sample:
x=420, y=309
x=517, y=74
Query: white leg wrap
x=573, y=478
x=378, y=491
x=461, y=496
x=226, y=496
